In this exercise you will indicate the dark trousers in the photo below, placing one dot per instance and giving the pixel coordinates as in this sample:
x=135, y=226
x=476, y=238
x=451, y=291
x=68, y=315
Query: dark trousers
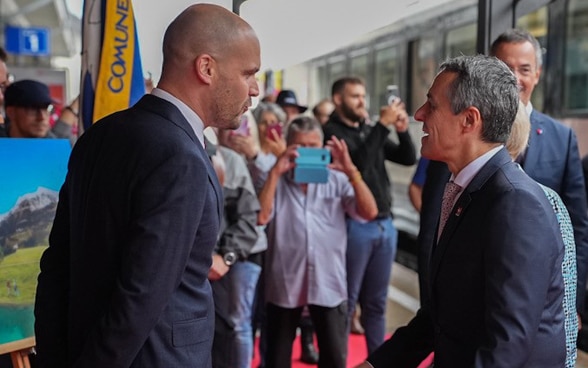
x=330, y=325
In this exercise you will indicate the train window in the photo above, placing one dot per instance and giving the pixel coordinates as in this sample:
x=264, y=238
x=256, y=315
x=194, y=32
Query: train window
x=424, y=71
x=387, y=71
x=337, y=70
x=536, y=24
x=359, y=67
x=461, y=41
x=576, y=65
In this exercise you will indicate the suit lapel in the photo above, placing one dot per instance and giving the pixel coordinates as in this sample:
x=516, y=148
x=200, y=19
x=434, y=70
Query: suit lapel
x=170, y=112
x=213, y=180
x=461, y=206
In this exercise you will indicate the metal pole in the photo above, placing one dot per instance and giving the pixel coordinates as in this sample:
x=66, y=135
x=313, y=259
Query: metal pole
x=237, y=6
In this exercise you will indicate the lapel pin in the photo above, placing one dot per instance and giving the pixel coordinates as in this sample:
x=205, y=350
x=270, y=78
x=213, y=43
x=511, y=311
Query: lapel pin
x=458, y=211
x=539, y=131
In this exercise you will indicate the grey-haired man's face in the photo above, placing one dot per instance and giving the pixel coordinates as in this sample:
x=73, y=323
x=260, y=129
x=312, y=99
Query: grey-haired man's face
x=522, y=60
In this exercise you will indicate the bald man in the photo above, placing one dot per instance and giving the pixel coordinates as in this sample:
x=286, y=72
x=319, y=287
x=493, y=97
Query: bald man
x=124, y=281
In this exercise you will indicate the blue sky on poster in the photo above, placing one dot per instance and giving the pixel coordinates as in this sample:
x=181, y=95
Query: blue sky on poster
x=30, y=164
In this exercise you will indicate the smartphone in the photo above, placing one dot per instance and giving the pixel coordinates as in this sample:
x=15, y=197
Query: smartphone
x=311, y=165
x=392, y=93
x=243, y=129
x=273, y=127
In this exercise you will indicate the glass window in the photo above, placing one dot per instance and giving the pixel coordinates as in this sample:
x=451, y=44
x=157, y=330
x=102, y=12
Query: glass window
x=387, y=71
x=461, y=41
x=359, y=67
x=536, y=24
x=336, y=71
x=424, y=71
x=576, y=64
x=322, y=81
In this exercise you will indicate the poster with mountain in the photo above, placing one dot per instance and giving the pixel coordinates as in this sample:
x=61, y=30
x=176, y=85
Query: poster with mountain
x=33, y=171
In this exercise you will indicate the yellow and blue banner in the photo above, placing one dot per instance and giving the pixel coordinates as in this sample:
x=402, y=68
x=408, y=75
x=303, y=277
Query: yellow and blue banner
x=112, y=74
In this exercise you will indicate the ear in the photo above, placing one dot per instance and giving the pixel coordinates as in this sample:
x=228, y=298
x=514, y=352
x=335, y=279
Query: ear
x=10, y=111
x=204, y=67
x=337, y=99
x=472, y=120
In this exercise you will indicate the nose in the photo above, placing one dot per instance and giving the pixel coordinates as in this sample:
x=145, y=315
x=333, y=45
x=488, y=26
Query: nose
x=419, y=115
x=254, y=88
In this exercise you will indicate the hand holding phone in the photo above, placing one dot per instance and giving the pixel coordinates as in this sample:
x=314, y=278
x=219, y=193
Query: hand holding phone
x=271, y=128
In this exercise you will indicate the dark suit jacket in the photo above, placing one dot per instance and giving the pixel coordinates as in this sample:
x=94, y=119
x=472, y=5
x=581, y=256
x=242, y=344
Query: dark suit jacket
x=553, y=160
x=437, y=175
x=124, y=280
x=496, y=286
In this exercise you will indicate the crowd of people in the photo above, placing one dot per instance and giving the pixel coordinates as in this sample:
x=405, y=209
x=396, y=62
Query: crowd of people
x=178, y=239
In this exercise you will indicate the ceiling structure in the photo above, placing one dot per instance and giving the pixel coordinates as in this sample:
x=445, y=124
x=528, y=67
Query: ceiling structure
x=65, y=28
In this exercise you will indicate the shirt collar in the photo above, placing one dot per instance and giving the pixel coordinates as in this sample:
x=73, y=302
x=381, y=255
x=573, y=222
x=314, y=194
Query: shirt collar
x=466, y=175
x=529, y=108
x=191, y=116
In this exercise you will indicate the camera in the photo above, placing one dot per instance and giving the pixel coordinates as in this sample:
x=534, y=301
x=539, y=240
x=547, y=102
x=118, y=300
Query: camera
x=311, y=165
x=392, y=93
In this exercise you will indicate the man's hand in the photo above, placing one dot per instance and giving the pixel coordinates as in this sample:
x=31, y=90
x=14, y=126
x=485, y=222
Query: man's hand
x=340, y=154
x=286, y=162
x=218, y=268
x=276, y=143
x=243, y=144
x=395, y=115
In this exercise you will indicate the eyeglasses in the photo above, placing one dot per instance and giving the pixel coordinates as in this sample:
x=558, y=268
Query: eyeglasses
x=6, y=83
x=34, y=110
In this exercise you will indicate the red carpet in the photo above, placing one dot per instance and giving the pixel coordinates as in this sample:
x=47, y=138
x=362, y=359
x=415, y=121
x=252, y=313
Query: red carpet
x=357, y=353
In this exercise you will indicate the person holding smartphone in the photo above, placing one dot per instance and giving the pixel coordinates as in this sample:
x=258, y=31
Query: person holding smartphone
x=371, y=246
x=305, y=261
x=261, y=155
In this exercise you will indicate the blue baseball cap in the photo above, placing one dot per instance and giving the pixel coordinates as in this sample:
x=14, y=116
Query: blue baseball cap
x=28, y=93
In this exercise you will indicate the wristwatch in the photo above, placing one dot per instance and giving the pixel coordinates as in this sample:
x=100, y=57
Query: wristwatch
x=230, y=258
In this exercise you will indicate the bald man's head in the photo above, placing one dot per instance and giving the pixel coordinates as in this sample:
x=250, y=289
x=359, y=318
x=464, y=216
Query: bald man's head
x=210, y=58
x=202, y=29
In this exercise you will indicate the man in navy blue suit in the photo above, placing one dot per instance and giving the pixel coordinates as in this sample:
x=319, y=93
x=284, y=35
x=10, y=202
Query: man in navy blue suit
x=124, y=282
x=552, y=157
x=495, y=280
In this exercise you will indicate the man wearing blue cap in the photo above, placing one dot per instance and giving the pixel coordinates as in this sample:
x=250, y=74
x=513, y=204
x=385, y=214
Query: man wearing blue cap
x=28, y=106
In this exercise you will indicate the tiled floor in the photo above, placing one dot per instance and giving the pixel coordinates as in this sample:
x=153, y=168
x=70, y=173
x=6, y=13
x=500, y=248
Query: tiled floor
x=403, y=303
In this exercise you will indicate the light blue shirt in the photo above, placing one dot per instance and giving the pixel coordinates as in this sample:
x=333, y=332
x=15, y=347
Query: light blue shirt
x=192, y=118
x=305, y=261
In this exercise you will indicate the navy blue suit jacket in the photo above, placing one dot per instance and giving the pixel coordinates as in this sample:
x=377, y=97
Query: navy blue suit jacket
x=496, y=285
x=553, y=160
x=124, y=282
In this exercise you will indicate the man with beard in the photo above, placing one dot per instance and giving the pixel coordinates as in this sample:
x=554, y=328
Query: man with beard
x=371, y=246
x=124, y=282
